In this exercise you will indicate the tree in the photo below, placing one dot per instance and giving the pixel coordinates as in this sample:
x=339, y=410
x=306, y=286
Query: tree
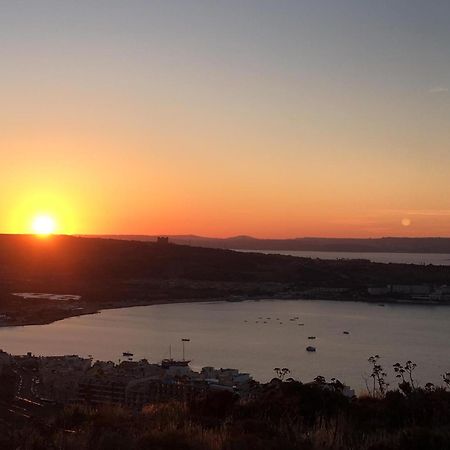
x=281, y=373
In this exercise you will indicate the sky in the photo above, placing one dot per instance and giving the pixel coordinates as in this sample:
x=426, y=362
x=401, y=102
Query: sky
x=273, y=118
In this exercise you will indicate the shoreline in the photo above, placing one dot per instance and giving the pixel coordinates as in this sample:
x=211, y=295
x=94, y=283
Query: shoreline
x=67, y=314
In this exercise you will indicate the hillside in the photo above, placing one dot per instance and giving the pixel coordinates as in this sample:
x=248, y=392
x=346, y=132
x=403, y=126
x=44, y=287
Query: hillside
x=110, y=273
x=385, y=244
x=72, y=258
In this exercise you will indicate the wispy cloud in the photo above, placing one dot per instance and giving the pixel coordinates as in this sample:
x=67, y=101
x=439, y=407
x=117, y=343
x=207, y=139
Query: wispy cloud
x=417, y=212
x=438, y=90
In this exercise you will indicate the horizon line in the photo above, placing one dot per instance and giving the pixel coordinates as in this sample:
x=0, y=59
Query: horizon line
x=195, y=236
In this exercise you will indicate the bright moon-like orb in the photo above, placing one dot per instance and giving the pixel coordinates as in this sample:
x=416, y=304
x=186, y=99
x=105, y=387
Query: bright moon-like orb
x=406, y=222
x=43, y=225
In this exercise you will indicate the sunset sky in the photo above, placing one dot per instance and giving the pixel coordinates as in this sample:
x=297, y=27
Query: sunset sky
x=270, y=118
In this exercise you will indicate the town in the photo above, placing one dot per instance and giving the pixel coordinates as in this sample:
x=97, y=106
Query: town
x=43, y=381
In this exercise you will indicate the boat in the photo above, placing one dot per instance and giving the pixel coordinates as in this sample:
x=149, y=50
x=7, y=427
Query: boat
x=127, y=354
x=169, y=362
x=346, y=332
x=310, y=349
x=311, y=337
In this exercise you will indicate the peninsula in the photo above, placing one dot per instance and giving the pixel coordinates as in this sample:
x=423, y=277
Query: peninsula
x=47, y=279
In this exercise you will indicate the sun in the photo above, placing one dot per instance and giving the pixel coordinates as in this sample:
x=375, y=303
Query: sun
x=43, y=225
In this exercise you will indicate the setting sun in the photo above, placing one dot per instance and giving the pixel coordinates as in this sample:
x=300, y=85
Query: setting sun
x=44, y=225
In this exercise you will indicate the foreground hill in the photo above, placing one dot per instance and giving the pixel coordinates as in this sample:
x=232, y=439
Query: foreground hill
x=111, y=273
x=288, y=415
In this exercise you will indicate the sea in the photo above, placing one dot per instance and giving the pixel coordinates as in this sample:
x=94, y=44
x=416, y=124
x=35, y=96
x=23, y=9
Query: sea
x=257, y=336
x=442, y=259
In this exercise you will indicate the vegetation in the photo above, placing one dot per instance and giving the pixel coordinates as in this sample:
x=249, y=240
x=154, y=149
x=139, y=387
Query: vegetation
x=286, y=415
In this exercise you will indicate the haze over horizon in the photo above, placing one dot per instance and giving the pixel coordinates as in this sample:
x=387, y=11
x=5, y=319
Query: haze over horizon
x=270, y=119
x=245, y=236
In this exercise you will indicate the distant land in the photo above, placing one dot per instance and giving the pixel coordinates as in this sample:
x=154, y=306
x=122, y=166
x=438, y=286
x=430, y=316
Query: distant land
x=385, y=244
x=90, y=274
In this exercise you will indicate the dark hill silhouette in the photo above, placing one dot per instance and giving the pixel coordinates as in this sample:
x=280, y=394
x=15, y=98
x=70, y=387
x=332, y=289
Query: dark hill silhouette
x=385, y=244
x=94, y=259
x=110, y=273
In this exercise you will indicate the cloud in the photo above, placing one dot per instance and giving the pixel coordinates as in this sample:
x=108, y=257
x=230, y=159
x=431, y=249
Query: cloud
x=438, y=90
x=417, y=212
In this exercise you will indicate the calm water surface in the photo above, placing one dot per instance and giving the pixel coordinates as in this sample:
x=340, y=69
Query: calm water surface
x=401, y=258
x=221, y=337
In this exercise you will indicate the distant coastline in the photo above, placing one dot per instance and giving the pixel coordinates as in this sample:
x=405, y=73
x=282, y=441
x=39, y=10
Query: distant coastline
x=438, y=245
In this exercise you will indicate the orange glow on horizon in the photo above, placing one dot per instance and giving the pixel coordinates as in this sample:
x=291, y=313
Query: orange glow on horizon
x=127, y=194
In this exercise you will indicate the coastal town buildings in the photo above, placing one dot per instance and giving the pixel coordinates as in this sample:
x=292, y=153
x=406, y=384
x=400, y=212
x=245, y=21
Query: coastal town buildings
x=137, y=383
x=422, y=292
x=133, y=384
